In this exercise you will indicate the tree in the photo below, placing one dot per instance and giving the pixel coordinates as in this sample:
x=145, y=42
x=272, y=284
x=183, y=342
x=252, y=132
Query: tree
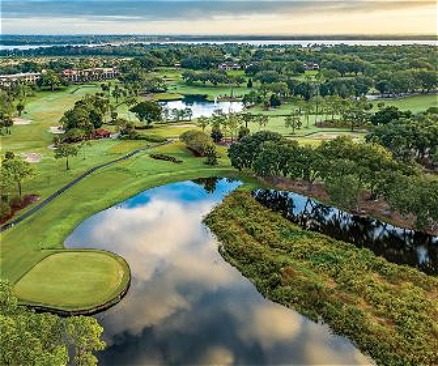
x=6, y=122
x=389, y=114
x=203, y=122
x=30, y=338
x=344, y=190
x=117, y=93
x=18, y=171
x=211, y=154
x=20, y=108
x=65, y=151
x=216, y=134
x=147, y=111
x=196, y=141
x=293, y=121
x=49, y=79
x=243, y=153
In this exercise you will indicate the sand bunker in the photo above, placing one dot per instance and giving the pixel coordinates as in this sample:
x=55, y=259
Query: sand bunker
x=56, y=130
x=21, y=121
x=31, y=157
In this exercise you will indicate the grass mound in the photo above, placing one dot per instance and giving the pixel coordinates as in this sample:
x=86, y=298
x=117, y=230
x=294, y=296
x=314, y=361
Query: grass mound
x=389, y=311
x=74, y=280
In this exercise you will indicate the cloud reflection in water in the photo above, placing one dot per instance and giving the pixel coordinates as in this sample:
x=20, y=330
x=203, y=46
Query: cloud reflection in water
x=186, y=305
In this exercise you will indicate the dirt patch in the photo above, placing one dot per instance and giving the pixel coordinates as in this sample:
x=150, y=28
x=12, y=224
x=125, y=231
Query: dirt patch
x=56, y=130
x=378, y=208
x=21, y=121
x=32, y=157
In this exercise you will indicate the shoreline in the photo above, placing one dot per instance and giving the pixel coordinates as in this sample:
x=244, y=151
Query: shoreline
x=377, y=209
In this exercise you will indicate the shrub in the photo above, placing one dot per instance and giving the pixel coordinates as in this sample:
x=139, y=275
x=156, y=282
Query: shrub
x=196, y=141
x=216, y=134
x=211, y=154
x=166, y=158
x=5, y=211
x=134, y=135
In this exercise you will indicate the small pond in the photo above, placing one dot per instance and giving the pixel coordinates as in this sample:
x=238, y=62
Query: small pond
x=402, y=246
x=186, y=305
x=201, y=107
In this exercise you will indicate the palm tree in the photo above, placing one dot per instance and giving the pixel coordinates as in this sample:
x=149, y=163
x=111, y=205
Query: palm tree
x=203, y=122
x=293, y=121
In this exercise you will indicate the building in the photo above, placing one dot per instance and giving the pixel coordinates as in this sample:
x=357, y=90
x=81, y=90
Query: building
x=311, y=66
x=228, y=66
x=101, y=133
x=92, y=74
x=29, y=78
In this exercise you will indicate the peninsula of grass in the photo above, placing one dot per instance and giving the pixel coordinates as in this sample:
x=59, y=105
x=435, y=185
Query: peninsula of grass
x=27, y=244
x=99, y=279
x=389, y=311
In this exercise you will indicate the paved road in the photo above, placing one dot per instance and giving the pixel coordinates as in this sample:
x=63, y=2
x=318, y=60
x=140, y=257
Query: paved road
x=56, y=194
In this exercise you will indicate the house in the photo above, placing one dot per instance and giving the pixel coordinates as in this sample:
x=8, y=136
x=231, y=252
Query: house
x=228, y=66
x=91, y=74
x=101, y=133
x=29, y=78
x=310, y=66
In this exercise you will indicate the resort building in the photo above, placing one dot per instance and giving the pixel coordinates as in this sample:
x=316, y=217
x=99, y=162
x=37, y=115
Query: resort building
x=311, y=66
x=228, y=66
x=30, y=78
x=92, y=74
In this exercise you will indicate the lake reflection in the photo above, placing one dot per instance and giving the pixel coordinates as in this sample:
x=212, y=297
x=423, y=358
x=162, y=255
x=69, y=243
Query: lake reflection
x=186, y=305
x=202, y=107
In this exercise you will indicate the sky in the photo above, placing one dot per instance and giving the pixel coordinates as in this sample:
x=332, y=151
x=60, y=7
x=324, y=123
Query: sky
x=203, y=17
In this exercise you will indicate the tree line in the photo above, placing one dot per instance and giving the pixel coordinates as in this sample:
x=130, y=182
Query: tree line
x=347, y=169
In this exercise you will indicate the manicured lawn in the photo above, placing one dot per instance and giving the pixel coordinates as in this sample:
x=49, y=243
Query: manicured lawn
x=417, y=103
x=44, y=110
x=210, y=91
x=74, y=280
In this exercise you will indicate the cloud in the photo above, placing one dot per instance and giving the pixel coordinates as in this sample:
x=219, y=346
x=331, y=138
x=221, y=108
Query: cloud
x=117, y=10
x=219, y=17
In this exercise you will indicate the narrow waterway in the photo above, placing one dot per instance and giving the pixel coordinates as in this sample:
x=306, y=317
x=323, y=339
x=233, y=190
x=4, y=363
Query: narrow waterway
x=186, y=305
x=398, y=245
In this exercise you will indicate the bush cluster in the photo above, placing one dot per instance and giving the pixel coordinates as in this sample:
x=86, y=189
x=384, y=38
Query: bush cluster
x=166, y=158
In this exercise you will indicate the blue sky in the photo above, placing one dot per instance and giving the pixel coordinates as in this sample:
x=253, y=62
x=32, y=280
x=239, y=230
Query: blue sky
x=292, y=17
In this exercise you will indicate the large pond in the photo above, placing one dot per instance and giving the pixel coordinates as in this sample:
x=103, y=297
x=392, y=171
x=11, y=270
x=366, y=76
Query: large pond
x=186, y=305
x=201, y=107
x=397, y=245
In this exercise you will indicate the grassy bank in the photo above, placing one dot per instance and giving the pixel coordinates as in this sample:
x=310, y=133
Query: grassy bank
x=25, y=245
x=389, y=311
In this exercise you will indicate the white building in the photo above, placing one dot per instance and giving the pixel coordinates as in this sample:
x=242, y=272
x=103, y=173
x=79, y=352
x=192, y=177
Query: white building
x=30, y=78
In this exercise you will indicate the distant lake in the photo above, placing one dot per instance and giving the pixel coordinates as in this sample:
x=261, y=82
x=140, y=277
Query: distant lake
x=202, y=107
x=304, y=43
x=186, y=304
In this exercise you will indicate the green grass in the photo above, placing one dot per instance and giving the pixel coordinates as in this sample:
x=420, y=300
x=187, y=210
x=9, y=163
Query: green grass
x=389, y=311
x=44, y=110
x=82, y=279
x=209, y=90
x=25, y=245
x=167, y=96
x=417, y=103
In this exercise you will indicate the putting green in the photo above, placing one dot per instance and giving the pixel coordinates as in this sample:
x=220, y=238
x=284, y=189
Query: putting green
x=74, y=280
